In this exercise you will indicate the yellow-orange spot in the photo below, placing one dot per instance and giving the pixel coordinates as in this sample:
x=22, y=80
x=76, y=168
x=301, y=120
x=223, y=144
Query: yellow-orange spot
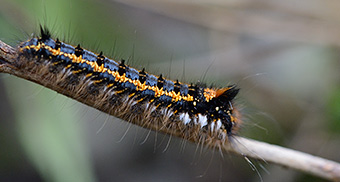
x=209, y=94
x=110, y=85
x=140, y=100
x=97, y=81
x=120, y=91
x=77, y=71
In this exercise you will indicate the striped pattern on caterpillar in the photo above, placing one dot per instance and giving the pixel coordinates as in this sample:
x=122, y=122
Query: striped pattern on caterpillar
x=193, y=112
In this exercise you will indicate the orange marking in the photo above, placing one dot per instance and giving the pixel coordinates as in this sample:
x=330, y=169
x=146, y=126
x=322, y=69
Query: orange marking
x=209, y=94
x=219, y=92
x=77, y=71
x=118, y=78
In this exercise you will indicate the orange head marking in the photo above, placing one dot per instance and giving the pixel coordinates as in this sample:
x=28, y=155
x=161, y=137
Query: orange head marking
x=221, y=91
x=228, y=93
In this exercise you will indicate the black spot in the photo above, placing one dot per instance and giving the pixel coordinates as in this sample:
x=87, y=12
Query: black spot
x=100, y=59
x=193, y=90
x=57, y=44
x=142, y=76
x=122, y=67
x=177, y=87
x=78, y=51
x=160, y=81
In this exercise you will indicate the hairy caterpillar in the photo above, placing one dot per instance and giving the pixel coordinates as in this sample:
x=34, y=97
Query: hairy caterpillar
x=193, y=112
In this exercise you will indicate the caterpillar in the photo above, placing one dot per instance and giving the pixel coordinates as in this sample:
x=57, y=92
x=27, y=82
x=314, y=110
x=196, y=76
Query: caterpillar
x=194, y=112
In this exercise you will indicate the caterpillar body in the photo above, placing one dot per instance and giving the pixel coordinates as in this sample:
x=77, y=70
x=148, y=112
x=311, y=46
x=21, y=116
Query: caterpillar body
x=190, y=111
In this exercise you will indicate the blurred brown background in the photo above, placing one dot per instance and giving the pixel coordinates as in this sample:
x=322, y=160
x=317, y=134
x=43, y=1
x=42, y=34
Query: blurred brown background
x=284, y=55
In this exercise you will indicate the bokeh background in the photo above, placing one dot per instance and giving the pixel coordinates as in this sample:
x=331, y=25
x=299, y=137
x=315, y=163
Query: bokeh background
x=284, y=55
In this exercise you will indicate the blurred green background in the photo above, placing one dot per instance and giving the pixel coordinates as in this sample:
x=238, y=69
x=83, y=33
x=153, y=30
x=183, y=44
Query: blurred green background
x=284, y=55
